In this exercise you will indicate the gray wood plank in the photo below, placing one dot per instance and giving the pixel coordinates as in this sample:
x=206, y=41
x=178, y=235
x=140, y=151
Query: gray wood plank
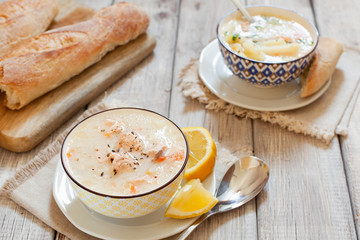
x=335, y=19
x=15, y=222
x=351, y=153
x=307, y=195
x=197, y=27
x=336, y=23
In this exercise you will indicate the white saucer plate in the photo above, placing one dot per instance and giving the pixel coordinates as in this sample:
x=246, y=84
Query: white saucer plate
x=151, y=226
x=224, y=84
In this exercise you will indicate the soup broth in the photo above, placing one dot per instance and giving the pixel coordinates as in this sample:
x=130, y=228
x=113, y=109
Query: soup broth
x=124, y=152
x=268, y=38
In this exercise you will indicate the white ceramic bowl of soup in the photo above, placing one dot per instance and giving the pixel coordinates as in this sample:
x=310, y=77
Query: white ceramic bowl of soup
x=125, y=162
x=271, y=51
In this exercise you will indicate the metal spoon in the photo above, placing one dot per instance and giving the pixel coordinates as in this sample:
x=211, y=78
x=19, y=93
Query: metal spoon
x=241, y=183
x=243, y=10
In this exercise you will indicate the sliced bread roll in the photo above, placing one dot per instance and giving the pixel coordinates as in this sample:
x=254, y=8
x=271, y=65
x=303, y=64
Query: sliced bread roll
x=46, y=61
x=22, y=19
x=322, y=67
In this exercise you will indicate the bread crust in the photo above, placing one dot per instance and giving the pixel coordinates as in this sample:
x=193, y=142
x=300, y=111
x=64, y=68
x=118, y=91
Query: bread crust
x=326, y=56
x=46, y=61
x=22, y=19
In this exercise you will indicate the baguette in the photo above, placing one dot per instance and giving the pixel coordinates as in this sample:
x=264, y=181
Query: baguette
x=326, y=56
x=22, y=19
x=46, y=61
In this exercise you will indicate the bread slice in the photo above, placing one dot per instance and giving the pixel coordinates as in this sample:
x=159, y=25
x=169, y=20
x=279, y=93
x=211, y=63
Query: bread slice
x=46, y=61
x=22, y=19
x=322, y=67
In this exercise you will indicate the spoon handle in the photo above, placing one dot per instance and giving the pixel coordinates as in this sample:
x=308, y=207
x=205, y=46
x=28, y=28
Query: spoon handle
x=186, y=233
x=243, y=10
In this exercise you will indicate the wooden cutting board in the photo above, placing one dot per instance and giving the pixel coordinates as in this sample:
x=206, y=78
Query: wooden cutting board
x=22, y=130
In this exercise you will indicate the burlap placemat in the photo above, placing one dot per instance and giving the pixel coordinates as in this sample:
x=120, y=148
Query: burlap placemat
x=322, y=119
x=32, y=185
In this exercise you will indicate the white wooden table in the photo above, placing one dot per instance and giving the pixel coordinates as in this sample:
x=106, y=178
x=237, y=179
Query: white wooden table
x=313, y=191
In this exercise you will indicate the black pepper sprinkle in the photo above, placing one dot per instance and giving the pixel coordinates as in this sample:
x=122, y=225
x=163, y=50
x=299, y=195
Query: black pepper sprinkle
x=102, y=174
x=113, y=150
x=108, y=145
x=134, y=168
x=111, y=160
x=115, y=172
x=92, y=169
x=132, y=133
x=102, y=130
x=99, y=157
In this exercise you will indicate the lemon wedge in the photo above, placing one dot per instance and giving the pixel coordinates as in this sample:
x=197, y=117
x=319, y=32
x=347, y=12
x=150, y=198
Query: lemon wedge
x=202, y=153
x=192, y=200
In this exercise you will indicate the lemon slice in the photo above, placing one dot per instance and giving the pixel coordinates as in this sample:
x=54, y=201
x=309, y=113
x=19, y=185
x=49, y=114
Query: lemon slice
x=192, y=200
x=202, y=153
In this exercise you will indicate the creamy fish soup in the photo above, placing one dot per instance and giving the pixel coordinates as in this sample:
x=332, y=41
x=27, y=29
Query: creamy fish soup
x=268, y=38
x=124, y=152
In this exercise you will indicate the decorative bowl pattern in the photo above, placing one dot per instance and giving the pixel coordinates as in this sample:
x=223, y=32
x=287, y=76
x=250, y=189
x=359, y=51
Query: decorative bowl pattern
x=132, y=205
x=128, y=207
x=267, y=74
x=264, y=74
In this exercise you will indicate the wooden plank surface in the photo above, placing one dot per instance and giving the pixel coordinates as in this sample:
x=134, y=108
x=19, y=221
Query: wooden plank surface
x=198, y=21
x=351, y=153
x=349, y=35
x=307, y=196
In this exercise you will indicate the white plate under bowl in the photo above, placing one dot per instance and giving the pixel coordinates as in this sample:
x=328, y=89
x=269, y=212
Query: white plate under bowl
x=152, y=226
x=224, y=84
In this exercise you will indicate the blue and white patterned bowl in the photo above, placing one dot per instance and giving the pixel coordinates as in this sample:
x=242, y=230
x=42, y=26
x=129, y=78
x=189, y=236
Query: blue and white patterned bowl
x=267, y=74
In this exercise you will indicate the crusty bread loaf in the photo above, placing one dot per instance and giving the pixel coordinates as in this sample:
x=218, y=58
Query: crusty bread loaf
x=326, y=56
x=46, y=61
x=22, y=19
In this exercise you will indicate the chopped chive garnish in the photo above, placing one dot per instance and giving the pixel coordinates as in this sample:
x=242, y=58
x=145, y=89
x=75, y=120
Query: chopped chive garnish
x=235, y=36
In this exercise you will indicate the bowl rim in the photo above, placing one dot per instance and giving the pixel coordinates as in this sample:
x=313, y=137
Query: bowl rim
x=272, y=6
x=124, y=196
